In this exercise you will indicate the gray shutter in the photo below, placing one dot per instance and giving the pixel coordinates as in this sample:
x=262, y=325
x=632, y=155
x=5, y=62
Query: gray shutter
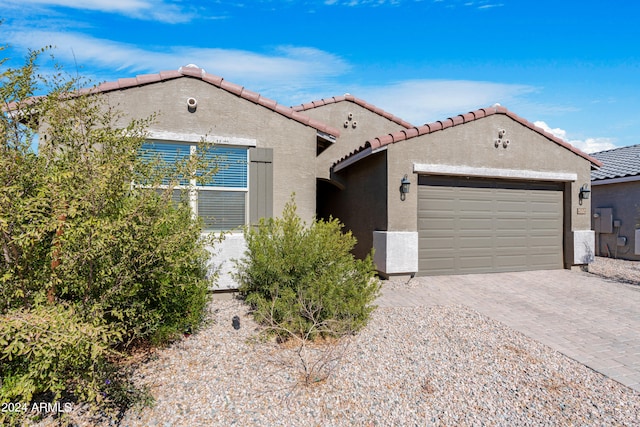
x=260, y=184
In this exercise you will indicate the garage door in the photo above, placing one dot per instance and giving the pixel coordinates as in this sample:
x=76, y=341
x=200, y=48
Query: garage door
x=473, y=225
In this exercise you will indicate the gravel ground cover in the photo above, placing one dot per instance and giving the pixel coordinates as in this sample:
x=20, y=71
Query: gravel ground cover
x=616, y=269
x=440, y=366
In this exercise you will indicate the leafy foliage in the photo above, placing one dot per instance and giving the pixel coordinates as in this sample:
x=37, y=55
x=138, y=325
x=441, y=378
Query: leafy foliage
x=85, y=255
x=303, y=280
x=74, y=228
x=52, y=349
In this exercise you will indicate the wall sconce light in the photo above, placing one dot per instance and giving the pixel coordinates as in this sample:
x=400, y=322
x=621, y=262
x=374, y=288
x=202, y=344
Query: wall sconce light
x=404, y=187
x=584, y=193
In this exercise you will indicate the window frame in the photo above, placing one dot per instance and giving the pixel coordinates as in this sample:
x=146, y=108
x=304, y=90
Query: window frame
x=194, y=188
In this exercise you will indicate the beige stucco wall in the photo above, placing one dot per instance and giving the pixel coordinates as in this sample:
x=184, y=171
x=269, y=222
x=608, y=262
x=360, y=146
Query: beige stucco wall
x=368, y=125
x=624, y=200
x=220, y=113
x=472, y=145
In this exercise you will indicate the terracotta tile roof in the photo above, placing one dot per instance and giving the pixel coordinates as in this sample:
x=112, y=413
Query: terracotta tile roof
x=617, y=163
x=358, y=101
x=199, y=73
x=413, y=132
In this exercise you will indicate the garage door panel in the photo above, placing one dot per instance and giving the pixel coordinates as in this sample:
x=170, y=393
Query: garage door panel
x=509, y=262
x=479, y=242
x=440, y=265
x=484, y=225
x=476, y=206
x=474, y=262
x=509, y=243
x=540, y=262
x=471, y=224
x=436, y=243
x=439, y=205
x=511, y=224
x=441, y=224
x=510, y=206
x=545, y=227
x=547, y=206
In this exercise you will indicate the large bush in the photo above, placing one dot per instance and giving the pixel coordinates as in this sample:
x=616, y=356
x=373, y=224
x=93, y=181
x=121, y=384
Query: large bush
x=303, y=279
x=52, y=349
x=73, y=227
x=89, y=236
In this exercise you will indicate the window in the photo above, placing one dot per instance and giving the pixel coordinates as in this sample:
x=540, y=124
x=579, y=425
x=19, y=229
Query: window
x=222, y=202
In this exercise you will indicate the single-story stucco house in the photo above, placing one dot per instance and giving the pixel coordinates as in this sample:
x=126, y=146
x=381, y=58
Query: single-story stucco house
x=615, y=204
x=481, y=192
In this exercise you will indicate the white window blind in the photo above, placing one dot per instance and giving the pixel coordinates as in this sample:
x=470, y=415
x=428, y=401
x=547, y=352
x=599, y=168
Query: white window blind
x=222, y=202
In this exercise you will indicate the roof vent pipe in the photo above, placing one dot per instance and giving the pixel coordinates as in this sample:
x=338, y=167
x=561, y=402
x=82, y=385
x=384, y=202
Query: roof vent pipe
x=192, y=104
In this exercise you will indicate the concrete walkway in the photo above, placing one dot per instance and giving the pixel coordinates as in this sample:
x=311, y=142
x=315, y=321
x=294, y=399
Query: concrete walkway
x=594, y=321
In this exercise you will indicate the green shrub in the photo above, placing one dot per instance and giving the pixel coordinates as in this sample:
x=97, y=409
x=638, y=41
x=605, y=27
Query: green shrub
x=142, y=269
x=93, y=255
x=51, y=349
x=304, y=280
x=74, y=229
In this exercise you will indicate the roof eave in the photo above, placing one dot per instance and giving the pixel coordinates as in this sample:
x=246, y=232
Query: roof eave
x=617, y=180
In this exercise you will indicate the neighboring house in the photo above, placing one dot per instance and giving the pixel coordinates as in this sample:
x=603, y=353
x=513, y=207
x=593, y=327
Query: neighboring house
x=615, y=203
x=488, y=191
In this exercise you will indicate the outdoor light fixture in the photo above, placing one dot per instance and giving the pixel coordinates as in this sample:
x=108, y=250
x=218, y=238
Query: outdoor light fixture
x=584, y=193
x=404, y=187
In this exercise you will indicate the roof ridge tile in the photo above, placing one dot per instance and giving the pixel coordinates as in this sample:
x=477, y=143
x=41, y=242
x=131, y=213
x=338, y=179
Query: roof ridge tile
x=358, y=101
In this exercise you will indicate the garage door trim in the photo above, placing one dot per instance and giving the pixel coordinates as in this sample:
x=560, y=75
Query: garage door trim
x=520, y=174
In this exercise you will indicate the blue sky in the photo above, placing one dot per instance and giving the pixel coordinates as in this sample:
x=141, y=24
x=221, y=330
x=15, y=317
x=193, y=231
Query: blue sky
x=570, y=66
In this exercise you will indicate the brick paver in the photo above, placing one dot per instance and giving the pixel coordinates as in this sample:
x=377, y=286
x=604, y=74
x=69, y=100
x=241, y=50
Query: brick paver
x=592, y=320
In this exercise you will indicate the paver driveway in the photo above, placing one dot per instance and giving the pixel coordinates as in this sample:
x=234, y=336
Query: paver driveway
x=592, y=320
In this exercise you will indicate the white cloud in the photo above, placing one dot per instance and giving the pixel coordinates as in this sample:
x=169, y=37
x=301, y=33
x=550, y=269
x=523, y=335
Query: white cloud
x=593, y=145
x=557, y=132
x=282, y=71
x=424, y=101
x=588, y=145
x=490, y=6
x=139, y=9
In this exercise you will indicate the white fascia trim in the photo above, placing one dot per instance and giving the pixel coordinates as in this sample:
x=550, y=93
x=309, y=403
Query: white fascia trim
x=493, y=172
x=326, y=137
x=356, y=157
x=193, y=137
x=616, y=180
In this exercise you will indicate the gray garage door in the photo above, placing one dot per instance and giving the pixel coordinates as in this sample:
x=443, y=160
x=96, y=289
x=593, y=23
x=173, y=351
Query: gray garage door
x=472, y=225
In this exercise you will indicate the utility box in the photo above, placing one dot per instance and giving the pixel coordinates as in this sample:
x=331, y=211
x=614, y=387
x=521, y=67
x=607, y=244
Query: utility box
x=604, y=221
